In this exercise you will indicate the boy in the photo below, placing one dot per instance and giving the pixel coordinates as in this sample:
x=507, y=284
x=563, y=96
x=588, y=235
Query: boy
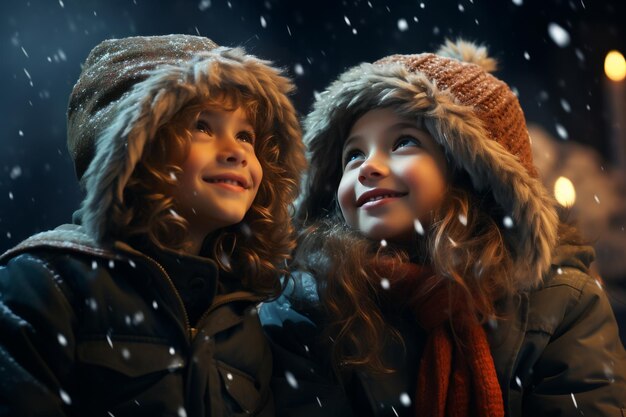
x=190, y=156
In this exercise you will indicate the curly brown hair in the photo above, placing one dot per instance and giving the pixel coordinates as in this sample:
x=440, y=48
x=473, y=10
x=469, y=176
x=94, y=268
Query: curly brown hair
x=472, y=257
x=256, y=249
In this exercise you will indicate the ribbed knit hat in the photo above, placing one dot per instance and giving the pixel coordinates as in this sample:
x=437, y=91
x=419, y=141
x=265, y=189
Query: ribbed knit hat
x=471, y=114
x=472, y=85
x=110, y=71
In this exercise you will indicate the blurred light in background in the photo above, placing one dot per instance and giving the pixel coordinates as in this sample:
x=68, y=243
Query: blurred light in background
x=615, y=66
x=564, y=192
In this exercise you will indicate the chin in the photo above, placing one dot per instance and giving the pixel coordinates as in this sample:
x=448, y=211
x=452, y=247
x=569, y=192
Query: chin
x=391, y=234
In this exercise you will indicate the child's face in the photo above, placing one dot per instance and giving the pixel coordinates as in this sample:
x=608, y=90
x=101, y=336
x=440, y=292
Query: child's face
x=221, y=176
x=394, y=173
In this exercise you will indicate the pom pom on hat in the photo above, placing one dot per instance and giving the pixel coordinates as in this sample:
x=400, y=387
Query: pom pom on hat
x=465, y=51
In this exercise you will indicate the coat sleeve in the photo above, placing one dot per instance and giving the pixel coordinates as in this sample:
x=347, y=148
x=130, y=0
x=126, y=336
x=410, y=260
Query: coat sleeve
x=582, y=369
x=36, y=340
x=303, y=382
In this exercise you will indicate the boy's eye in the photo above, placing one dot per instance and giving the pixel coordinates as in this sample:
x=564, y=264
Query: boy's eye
x=246, y=136
x=203, y=126
x=352, y=155
x=406, y=141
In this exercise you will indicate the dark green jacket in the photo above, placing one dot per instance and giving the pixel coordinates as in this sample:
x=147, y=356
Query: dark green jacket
x=557, y=353
x=93, y=331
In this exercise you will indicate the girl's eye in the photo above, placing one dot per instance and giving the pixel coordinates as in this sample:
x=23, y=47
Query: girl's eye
x=405, y=141
x=203, y=126
x=352, y=155
x=246, y=136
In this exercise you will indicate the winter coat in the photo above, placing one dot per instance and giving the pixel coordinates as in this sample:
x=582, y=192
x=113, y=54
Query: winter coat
x=556, y=352
x=87, y=330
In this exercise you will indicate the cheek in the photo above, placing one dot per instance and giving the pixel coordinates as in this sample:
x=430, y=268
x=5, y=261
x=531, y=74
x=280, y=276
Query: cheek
x=346, y=197
x=256, y=171
x=427, y=185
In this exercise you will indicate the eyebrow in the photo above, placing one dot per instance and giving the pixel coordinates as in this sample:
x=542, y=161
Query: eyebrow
x=392, y=128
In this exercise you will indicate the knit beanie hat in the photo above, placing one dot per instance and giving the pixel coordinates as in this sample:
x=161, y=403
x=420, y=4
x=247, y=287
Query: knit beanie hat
x=471, y=114
x=130, y=87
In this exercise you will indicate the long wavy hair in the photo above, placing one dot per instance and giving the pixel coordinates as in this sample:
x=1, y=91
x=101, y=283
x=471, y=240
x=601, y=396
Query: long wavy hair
x=256, y=249
x=463, y=244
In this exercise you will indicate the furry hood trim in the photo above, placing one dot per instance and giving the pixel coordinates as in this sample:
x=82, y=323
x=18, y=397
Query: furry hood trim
x=152, y=102
x=414, y=87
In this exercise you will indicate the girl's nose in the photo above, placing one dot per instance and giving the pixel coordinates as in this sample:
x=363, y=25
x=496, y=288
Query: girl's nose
x=373, y=169
x=231, y=151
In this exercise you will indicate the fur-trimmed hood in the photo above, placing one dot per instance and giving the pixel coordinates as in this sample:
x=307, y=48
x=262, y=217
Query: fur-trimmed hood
x=471, y=114
x=131, y=87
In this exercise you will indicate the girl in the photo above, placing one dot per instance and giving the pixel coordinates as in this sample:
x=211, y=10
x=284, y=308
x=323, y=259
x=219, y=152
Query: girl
x=190, y=156
x=434, y=275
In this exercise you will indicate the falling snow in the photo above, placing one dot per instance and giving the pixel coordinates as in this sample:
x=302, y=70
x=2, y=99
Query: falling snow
x=125, y=353
x=16, y=172
x=463, y=219
x=561, y=131
x=138, y=318
x=418, y=227
x=291, y=380
x=263, y=22
x=204, y=4
x=65, y=397
x=384, y=283
x=62, y=340
x=383, y=243
x=559, y=35
x=298, y=69
x=507, y=221
x=518, y=2
x=92, y=304
x=403, y=25
x=405, y=399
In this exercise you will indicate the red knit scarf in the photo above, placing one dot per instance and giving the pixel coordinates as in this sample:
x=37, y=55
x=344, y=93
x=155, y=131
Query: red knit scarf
x=454, y=379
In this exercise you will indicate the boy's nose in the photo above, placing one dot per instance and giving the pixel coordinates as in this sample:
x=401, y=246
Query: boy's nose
x=231, y=152
x=372, y=169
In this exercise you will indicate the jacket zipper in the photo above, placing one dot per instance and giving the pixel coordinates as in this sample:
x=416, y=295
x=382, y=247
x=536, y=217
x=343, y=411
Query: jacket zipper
x=188, y=328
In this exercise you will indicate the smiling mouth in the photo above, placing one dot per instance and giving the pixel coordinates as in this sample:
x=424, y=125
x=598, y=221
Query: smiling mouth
x=365, y=199
x=224, y=181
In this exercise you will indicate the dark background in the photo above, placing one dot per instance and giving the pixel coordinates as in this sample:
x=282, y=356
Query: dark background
x=44, y=42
